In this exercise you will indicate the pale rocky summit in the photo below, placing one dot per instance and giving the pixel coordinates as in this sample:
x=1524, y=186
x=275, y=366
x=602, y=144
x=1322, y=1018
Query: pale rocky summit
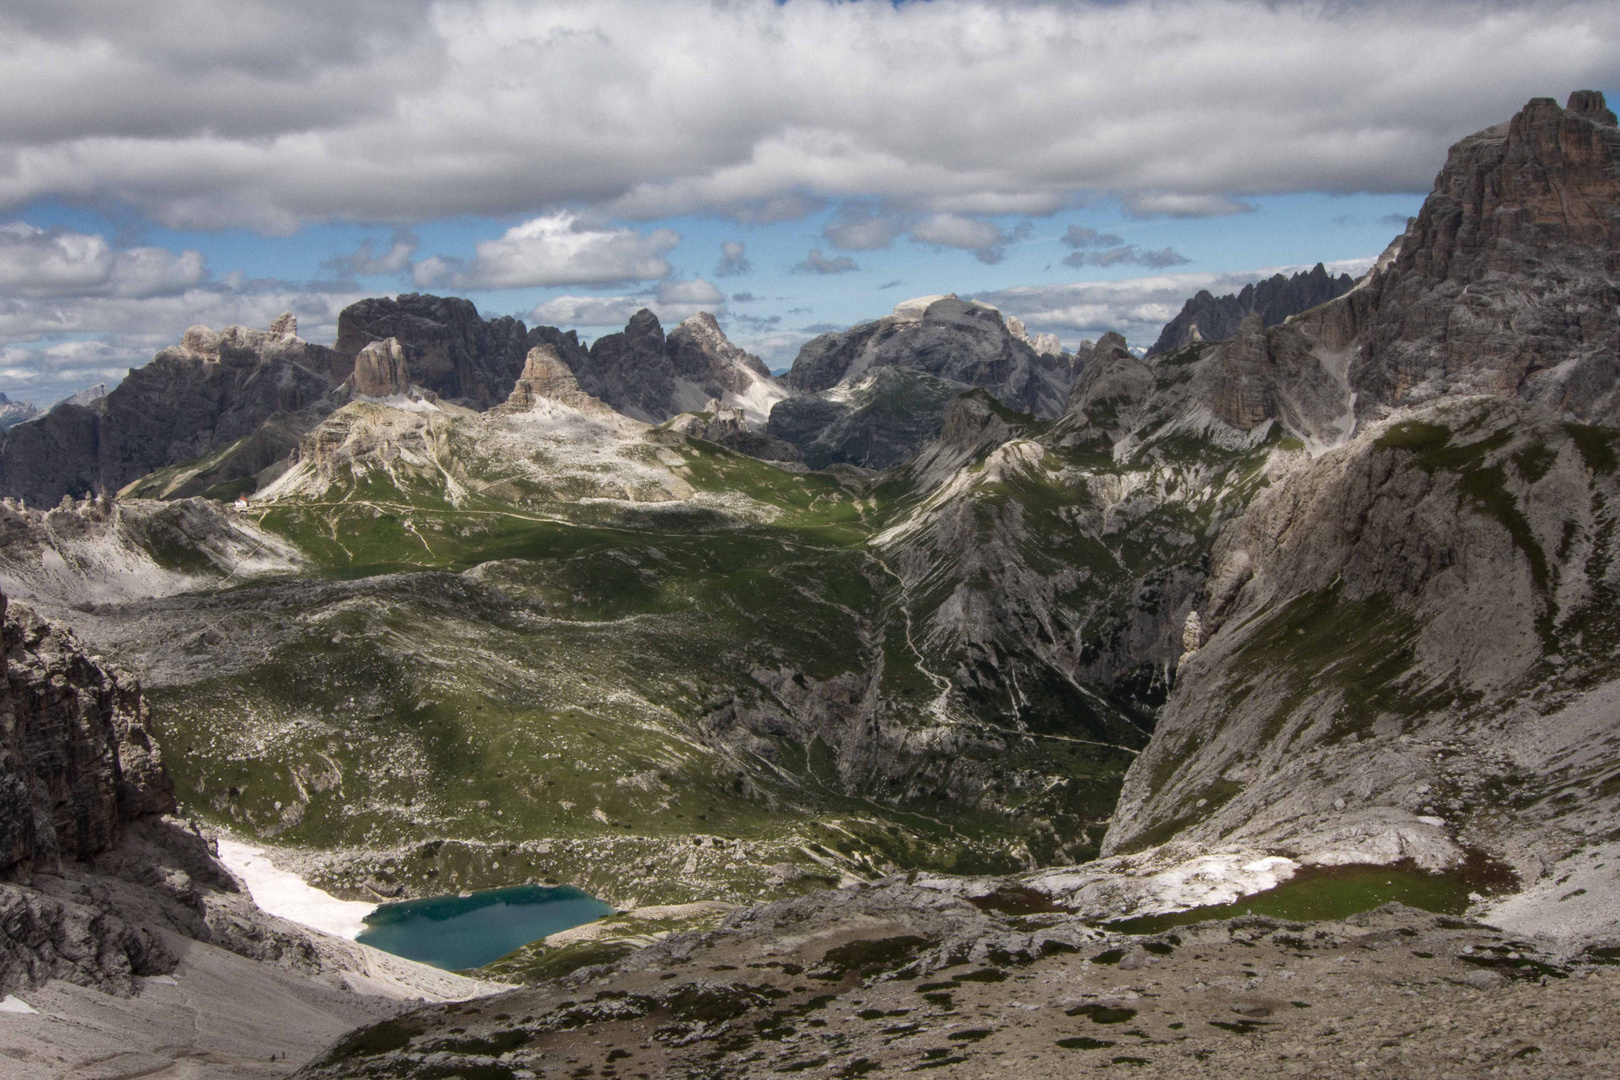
x=874, y=395
x=13, y=413
x=1206, y=317
x=380, y=370
x=546, y=378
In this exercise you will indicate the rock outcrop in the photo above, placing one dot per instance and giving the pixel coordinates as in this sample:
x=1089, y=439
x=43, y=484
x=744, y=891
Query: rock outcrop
x=1206, y=317
x=78, y=766
x=546, y=378
x=728, y=426
x=380, y=370
x=198, y=398
x=77, y=758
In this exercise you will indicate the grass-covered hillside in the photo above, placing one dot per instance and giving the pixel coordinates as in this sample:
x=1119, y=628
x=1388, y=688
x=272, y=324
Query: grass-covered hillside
x=556, y=647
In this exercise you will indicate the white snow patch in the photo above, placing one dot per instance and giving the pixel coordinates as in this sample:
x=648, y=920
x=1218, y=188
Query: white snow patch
x=1219, y=879
x=288, y=896
x=14, y=1004
x=1128, y=886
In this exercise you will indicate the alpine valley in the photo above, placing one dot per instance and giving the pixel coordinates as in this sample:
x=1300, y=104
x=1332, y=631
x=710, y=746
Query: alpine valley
x=902, y=705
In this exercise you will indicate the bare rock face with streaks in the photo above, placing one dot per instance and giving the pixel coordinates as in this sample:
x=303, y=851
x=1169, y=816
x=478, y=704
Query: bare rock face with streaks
x=1407, y=647
x=79, y=758
x=1508, y=280
x=546, y=378
x=380, y=370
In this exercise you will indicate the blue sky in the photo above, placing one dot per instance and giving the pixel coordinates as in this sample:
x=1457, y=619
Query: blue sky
x=1086, y=166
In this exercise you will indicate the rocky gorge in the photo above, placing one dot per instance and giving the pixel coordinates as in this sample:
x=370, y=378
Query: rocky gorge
x=942, y=672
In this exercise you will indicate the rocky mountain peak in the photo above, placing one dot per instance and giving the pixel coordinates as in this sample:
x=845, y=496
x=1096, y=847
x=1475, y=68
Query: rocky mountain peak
x=701, y=334
x=1590, y=104
x=451, y=350
x=650, y=377
x=380, y=370
x=1505, y=282
x=645, y=329
x=13, y=413
x=546, y=378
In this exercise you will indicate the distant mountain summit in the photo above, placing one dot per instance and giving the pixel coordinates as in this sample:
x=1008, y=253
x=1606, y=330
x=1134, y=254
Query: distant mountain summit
x=874, y=394
x=1206, y=317
x=650, y=377
x=13, y=413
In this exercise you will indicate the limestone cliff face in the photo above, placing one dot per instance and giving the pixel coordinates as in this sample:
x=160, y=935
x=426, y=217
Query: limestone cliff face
x=77, y=759
x=546, y=378
x=1381, y=634
x=1506, y=282
x=210, y=391
x=380, y=370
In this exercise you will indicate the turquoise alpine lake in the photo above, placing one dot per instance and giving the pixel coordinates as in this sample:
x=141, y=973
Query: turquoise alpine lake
x=459, y=932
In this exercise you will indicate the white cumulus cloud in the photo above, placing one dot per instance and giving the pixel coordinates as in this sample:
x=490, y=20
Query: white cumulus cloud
x=557, y=249
x=37, y=262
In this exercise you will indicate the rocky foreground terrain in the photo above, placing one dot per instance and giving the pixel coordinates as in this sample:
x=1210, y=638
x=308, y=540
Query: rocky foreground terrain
x=895, y=979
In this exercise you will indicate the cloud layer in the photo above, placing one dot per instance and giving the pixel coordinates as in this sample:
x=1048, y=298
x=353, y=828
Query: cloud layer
x=233, y=112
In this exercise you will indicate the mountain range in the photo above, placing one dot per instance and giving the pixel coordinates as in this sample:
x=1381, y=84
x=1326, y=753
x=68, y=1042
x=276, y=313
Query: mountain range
x=1012, y=643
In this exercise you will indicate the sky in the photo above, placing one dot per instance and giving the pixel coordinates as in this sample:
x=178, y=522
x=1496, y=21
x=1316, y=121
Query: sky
x=791, y=166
